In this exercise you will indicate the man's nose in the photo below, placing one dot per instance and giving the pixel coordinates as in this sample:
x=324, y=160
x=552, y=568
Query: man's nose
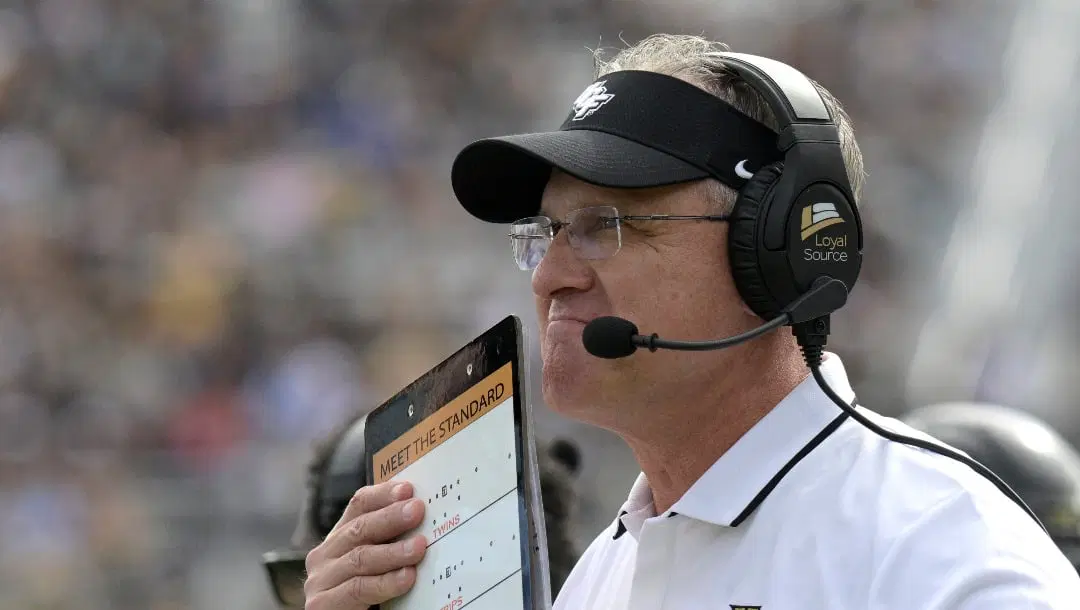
x=561, y=269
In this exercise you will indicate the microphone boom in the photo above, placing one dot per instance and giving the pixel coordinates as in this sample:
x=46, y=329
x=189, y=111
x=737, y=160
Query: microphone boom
x=653, y=342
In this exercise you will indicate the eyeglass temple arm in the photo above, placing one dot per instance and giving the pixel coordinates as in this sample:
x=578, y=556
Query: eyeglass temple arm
x=675, y=217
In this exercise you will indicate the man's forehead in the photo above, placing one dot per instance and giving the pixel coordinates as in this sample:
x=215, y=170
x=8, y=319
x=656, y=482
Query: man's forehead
x=565, y=194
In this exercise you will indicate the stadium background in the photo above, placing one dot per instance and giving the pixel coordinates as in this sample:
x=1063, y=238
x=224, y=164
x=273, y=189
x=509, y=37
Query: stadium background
x=224, y=223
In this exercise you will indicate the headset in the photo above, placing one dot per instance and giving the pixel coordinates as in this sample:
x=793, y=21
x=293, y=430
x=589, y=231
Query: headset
x=792, y=201
x=795, y=241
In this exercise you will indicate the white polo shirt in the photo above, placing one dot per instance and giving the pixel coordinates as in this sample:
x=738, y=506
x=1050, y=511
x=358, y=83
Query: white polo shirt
x=809, y=510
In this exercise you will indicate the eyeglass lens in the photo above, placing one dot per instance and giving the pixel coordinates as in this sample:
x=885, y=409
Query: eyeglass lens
x=593, y=233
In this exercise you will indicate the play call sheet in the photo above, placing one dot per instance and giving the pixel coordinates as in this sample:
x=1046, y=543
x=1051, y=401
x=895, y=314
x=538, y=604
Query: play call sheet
x=462, y=462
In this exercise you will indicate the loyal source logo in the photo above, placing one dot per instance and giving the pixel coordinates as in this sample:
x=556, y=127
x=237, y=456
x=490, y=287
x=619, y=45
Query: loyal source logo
x=816, y=217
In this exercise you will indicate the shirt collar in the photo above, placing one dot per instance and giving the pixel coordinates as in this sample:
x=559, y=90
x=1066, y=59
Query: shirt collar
x=739, y=481
x=637, y=508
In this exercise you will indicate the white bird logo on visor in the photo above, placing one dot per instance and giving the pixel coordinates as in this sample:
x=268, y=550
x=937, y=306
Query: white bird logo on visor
x=591, y=99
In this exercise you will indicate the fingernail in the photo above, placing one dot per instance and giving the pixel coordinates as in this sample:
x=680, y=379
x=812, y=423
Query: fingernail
x=403, y=576
x=410, y=510
x=400, y=491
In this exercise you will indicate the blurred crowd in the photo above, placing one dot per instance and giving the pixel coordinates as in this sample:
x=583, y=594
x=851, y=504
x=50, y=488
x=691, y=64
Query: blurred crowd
x=225, y=224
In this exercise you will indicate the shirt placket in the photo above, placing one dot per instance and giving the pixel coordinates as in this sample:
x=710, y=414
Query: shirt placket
x=652, y=567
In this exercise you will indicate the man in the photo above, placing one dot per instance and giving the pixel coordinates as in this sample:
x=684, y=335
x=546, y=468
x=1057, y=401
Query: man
x=335, y=472
x=756, y=490
x=1029, y=455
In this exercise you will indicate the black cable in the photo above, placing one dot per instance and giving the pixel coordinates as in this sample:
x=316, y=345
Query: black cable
x=811, y=338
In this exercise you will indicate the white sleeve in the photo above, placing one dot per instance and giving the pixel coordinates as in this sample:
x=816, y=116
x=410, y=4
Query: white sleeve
x=968, y=553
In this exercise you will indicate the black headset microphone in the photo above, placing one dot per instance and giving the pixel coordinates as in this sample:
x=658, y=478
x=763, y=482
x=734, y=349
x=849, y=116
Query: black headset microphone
x=614, y=337
x=804, y=199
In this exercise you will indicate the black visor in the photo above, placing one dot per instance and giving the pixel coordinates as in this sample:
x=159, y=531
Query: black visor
x=629, y=129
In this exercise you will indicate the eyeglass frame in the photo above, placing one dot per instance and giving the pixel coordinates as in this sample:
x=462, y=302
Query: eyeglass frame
x=557, y=225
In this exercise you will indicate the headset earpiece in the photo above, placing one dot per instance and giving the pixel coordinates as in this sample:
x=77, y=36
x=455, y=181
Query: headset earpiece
x=743, y=231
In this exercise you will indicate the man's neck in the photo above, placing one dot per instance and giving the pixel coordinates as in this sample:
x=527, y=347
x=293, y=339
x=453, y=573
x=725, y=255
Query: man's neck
x=682, y=441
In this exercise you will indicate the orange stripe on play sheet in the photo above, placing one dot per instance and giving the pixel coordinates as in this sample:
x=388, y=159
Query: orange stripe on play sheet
x=434, y=430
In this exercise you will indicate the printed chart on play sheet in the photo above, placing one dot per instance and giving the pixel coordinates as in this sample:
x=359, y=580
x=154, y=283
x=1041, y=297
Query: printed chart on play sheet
x=462, y=462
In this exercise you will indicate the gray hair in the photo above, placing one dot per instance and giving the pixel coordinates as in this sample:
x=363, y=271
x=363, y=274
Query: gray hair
x=696, y=60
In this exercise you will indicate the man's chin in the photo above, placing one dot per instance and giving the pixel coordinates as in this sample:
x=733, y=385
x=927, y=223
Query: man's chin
x=579, y=398
x=571, y=377
x=568, y=400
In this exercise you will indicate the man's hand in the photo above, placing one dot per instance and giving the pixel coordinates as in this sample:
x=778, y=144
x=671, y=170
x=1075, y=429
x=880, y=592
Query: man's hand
x=355, y=567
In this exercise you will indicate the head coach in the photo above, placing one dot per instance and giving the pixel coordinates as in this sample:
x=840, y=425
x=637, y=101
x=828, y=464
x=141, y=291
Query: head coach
x=699, y=193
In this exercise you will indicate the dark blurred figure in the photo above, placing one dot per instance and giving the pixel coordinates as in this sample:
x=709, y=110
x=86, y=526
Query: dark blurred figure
x=336, y=472
x=1032, y=458
x=559, y=462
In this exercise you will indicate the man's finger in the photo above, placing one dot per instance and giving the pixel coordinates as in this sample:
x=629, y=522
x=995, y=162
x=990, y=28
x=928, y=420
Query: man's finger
x=364, y=591
x=371, y=498
x=370, y=560
x=378, y=527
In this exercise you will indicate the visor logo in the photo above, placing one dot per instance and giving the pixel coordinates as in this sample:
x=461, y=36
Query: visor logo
x=591, y=99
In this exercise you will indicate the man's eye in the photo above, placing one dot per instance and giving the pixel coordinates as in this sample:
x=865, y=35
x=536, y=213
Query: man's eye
x=592, y=226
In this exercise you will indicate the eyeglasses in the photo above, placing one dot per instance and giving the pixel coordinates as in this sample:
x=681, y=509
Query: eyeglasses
x=594, y=233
